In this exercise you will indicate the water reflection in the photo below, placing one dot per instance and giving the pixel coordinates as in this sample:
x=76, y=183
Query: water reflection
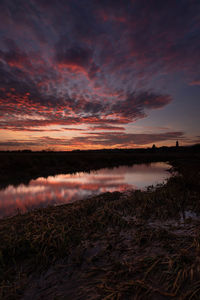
x=66, y=188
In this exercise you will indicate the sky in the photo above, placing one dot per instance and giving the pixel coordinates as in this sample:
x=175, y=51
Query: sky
x=93, y=74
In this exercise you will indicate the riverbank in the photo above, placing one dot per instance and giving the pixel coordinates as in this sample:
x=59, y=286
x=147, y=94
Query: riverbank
x=114, y=246
x=21, y=167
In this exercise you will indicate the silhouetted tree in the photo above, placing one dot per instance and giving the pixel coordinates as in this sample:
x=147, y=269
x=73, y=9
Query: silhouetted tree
x=177, y=144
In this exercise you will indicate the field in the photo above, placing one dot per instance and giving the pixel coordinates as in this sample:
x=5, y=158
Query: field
x=136, y=245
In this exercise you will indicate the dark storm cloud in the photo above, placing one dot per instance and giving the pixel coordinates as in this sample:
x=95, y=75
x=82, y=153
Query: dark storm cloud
x=76, y=55
x=135, y=104
x=93, y=62
x=13, y=56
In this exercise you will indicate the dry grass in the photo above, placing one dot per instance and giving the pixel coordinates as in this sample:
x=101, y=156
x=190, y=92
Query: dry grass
x=121, y=246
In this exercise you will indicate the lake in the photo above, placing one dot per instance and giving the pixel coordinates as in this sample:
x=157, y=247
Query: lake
x=66, y=188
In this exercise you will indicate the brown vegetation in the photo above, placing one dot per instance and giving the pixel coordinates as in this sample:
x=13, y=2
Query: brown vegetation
x=137, y=245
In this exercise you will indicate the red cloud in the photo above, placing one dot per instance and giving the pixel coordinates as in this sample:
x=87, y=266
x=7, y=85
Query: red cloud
x=103, y=63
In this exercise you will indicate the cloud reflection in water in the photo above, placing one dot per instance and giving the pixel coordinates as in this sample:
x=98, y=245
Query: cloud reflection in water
x=65, y=188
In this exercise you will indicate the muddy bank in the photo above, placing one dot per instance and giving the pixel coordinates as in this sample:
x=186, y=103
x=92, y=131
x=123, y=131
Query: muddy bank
x=142, y=262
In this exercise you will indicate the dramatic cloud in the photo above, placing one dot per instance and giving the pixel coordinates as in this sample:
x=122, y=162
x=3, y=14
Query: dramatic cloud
x=97, y=64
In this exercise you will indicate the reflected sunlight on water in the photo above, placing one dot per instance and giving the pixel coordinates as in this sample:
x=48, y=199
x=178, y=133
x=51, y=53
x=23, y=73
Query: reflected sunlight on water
x=65, y=188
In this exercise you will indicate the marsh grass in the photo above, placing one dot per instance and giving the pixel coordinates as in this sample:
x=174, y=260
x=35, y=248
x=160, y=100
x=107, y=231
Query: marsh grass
x=121, y=246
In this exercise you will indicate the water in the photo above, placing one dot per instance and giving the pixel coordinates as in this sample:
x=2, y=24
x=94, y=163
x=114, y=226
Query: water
x=65, y=188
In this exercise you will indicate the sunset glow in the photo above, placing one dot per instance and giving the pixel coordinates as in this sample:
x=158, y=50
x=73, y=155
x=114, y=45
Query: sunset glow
x=99, y=74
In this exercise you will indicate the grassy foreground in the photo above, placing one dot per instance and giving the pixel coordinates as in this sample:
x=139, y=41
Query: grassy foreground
x=137, y=245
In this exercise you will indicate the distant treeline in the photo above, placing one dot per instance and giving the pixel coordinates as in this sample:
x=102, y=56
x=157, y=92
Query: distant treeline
x=192, y=148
